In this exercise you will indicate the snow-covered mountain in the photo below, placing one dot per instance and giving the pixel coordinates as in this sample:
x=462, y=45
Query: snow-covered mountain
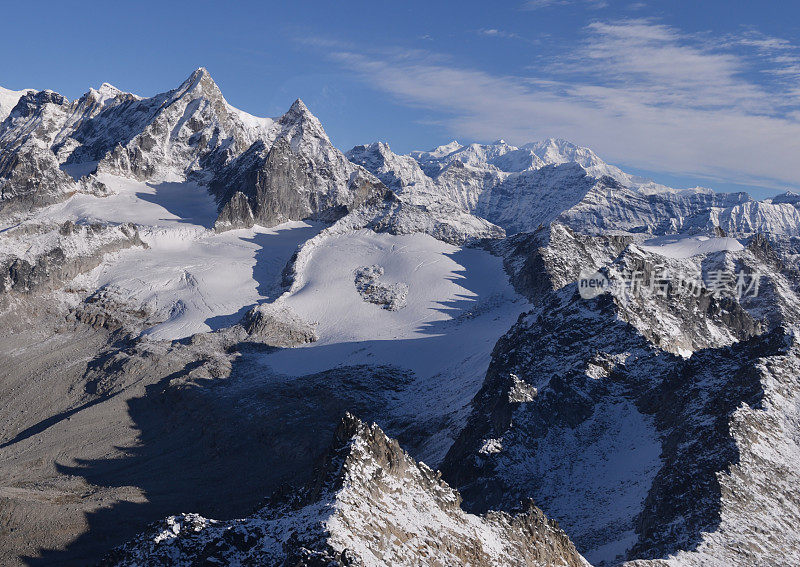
x=192, y=298
x=9, y=99
x=520, y=189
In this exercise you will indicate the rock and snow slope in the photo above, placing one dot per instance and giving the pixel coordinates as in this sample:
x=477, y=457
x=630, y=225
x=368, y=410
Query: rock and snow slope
x=9, y=99
x=370, y=504
x=196, y=245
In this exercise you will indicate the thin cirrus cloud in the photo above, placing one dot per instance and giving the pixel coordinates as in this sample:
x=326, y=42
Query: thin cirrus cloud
x=494, y=32
x=638, y=92
x=540, y=4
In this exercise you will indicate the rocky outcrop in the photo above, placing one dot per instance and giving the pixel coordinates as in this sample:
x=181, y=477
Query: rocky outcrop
x=554, y=256
x=389, y=296
x=59, y=255
x=235, y=213
x=369, y=504
x=277, y=326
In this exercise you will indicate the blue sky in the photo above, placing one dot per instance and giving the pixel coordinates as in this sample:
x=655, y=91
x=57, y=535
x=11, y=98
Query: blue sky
x=688, y=93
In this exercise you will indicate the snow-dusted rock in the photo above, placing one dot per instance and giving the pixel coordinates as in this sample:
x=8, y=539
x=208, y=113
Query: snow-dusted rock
x=370, y=505
x=9, y=99
x=391, y=296
x=44, y=258
x=277, y=326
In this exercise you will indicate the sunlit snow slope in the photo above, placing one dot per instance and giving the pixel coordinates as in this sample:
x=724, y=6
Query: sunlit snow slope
x=459, y=302
x=189, y=277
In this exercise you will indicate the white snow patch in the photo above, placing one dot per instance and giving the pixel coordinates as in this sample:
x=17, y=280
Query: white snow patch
x=455, y=294
x=693, y=246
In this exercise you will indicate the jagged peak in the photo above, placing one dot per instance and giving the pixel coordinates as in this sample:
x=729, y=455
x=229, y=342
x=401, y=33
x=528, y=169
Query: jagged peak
x=349, y=426
x=199, y=79
x=299, y=113
x=109, y=89
x=381, y=148
x=559, y=144
x=106, y=92
x=446, y=149
x=199, y=74
x=352, y=430
x=356, y=444
x=299, y=107
x=33, y=101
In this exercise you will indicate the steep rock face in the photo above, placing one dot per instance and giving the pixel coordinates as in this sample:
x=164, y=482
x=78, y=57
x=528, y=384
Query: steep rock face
x=300, y=175
x=730, y=447
x=554, y=256
x=618, y=208
x=577, y=443
x=422, y=204
x=370, y=504
x=668, y=299
x=639, y=454
x=398, y=173
x=529, y=199
x=30, y=174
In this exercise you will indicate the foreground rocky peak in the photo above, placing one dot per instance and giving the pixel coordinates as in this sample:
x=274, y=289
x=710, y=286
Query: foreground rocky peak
x=370, y=504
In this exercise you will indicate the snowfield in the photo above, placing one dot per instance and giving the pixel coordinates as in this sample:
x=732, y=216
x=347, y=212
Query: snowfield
x=190, y=278
x=680, y=248
x=456, y=304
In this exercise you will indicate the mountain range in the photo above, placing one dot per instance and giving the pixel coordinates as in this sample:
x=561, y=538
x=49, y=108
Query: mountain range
x=480, y=354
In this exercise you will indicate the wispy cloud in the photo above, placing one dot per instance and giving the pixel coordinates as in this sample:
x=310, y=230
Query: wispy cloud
x=540, y=4
x=636, y=91
x=494, y=32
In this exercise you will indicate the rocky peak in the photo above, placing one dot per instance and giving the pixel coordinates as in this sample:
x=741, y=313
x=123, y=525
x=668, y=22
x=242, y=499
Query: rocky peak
x=787, y=197
x=9, y=99
x=296, y=175
x=301, y=127
x=371, y=505
x=200, y=81
x=31, y=103
x=359, y=450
